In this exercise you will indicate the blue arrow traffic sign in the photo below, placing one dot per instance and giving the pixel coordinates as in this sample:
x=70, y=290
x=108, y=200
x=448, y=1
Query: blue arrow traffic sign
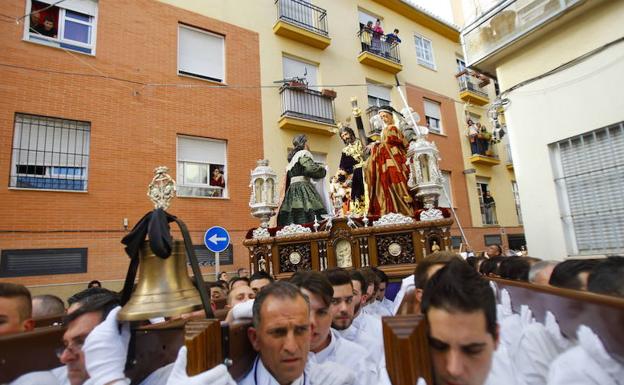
x=216, y=239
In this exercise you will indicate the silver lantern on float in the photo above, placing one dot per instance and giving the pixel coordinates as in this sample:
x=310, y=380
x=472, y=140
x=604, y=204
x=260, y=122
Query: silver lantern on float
x=425, y=178
x=264, y=195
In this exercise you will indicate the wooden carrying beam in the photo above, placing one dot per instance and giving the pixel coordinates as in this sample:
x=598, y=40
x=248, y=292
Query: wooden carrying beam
x=572, y=308
x=29, y=352
x=407, y=349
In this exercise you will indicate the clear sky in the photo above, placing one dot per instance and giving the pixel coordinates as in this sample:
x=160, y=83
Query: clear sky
x=441, y=8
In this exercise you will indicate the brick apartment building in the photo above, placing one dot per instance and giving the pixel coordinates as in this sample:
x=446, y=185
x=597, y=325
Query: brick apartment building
x=95, y=96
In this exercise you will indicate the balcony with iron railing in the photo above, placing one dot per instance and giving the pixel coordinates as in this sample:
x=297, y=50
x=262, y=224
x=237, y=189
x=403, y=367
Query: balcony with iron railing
x=488, y=214
x=484, y=150
x=379, y=51
x=472, y=88
x=500, y=28
x=302, y=21
x=306, y=109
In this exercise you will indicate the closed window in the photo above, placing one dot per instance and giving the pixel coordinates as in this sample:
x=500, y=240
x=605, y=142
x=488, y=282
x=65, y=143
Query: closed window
x=201, y=54
x=446, y=198
x=589, y=176
x=424, y=51
x=378, y=95
x=50, y=153
x=29, y=262
x=433, y=116
x=71, y=24
x=202, y=168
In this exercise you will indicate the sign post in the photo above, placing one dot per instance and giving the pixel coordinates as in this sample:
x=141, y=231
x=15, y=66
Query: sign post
x=216, y=240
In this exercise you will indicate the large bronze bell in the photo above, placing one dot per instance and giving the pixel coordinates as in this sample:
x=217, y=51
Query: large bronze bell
x=164, y=288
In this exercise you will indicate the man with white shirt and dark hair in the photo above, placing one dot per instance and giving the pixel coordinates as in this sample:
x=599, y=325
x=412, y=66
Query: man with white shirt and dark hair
x=384, y=305
x=326, y=343
x=460, y=309
x=348, y=320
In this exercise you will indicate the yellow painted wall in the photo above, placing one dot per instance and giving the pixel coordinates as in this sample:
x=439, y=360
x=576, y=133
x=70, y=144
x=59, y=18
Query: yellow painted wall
x=338, y=65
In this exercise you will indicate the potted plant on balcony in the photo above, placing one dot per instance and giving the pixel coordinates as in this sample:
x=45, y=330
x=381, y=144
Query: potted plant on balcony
x=328, y=93
x=297, y=84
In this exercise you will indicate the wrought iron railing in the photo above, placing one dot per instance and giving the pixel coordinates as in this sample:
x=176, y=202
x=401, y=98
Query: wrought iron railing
x=470, y=83
x=305, y=103
x=303, y=14
x=380, y=45
x=488, y=214
x=483, y=145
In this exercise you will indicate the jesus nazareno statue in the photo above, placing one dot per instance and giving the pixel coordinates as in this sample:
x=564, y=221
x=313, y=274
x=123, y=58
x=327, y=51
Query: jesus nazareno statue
x=301, y=202
x=386, y=171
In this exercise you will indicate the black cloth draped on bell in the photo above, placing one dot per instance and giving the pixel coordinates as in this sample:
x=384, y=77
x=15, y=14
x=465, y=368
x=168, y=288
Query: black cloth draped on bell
x=155, y=225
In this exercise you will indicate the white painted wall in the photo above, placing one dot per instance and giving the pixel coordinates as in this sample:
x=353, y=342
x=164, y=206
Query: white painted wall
x=583, y=98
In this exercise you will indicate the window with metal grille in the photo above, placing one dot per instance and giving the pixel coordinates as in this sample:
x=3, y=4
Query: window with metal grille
x=589, y=177
x=493, y=239
x=50, y=153
x=206, y=257
x=29, y=262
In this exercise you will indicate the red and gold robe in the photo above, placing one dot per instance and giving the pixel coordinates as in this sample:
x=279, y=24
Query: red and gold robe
x=387, y=174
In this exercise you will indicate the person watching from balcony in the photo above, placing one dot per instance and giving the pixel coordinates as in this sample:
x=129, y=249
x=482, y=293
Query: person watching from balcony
x=377, y=34
x=489, y=206
x=483, y=139
x=393, y=38
x=472, y=134
x=366, y=35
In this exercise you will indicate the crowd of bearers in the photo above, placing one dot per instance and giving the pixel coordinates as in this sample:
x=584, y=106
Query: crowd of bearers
x=318, y=327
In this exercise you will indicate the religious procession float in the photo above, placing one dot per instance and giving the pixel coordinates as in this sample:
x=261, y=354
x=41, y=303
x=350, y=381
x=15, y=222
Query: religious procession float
x=380, y=210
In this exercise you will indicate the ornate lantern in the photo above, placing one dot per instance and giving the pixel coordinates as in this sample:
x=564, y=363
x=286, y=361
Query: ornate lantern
x=264, y=194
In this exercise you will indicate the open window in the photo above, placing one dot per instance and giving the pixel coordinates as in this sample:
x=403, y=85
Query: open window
x=202, y=167
x=71, y=24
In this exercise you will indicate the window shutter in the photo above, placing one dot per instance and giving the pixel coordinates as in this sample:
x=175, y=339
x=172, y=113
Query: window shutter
x=88, y=7
x=378, y=91
x=432, y=109
x=590, y=181
x=201, y=150
x=201, y=53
